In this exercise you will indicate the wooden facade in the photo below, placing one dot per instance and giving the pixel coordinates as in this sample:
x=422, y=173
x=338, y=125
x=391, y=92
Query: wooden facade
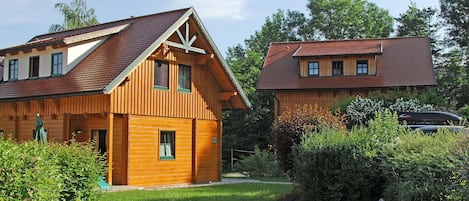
x=127, y=120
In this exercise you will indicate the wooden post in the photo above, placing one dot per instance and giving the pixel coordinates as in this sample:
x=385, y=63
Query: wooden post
x=110, y=132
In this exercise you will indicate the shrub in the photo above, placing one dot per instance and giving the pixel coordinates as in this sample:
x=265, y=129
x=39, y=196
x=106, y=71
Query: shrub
x=411, y=105
x=289, y=127
x=422, y=167
x=32, y=171
x=260, y=164
x=338, y=165
x=27, y=172
x=361, y=110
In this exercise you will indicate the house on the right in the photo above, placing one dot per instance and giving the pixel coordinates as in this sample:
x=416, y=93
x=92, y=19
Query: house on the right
x=325, y=72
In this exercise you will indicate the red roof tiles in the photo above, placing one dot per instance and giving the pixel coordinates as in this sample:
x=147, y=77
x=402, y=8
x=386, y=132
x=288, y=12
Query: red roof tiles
x=103, y=65
x=400, y=62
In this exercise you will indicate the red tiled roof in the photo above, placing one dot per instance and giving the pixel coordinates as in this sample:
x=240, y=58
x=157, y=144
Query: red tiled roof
x=403, y=62
x=103, y=65
x=332, y=48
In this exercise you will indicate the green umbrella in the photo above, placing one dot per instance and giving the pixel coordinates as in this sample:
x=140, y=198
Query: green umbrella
x=40, y=134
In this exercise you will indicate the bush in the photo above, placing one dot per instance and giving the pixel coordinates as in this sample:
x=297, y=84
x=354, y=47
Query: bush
x=361, y=110
x=411, y=105
x=32, y=171
x=423, y=167
x=338, y=165
x=289, y=127
x=260, y=164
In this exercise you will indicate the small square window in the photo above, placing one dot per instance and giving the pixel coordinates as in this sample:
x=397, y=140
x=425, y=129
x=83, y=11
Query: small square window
x=313, y=68
x=184, y=83
x=167, y=145
x=362, y=67
x=161, y=79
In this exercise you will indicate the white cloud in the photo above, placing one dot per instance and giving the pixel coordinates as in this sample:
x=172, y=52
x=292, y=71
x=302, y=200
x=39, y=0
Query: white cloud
x=216, y=9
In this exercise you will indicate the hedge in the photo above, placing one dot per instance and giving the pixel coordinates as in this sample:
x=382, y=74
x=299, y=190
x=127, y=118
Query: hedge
x=33, y=171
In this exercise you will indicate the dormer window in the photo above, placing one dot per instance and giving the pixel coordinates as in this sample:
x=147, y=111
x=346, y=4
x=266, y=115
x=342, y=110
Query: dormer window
x=13, y=69
x=34, y=66
x=362, y=67
x=313, y=68
x=337, y=68
x=57, y=63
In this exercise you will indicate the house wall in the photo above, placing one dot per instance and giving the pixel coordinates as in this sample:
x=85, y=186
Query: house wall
x=290, y=99
x=18, y=118
x=145, y=168
x=350, y=65
x=139, y=96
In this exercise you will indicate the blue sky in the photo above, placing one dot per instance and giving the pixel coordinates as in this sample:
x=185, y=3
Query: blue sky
x=229, y=22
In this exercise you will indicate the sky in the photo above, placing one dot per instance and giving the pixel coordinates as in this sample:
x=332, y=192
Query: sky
x=229, y=22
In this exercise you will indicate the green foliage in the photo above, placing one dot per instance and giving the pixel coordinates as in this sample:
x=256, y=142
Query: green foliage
x=412, y=105
x=419, y=22
x=259, y=164
x=422, y=167
x=337, y=165
x=32, y=171
x=289, y=128
x=28, y=172
x=456, y=15
x=76, y=15
x=361, y=110
x=339, y=19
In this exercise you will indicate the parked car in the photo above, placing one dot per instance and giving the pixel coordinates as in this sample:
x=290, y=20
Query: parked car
x=430, y=122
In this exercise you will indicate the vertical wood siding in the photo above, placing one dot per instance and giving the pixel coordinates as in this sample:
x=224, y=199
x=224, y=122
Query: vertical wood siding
x=350, y=65
x=289, y=99
x=145, y=168
x=8, y=127
x=139, y=96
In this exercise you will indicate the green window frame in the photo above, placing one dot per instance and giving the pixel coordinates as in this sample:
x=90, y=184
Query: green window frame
x=313, y=68
x=184, y=78
x=167, y=145
x=34, y=67
x=161, y=77
x=13, y=69
x=362, y=67
x=56, y=63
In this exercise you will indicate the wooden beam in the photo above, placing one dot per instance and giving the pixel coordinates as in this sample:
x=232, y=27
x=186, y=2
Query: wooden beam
x=204, y=59
x=227, y=95
x=41, y=48
x=110, y=133
x=27, y=51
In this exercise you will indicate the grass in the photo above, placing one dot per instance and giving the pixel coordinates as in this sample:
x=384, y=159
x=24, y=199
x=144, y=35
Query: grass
x=227, y=192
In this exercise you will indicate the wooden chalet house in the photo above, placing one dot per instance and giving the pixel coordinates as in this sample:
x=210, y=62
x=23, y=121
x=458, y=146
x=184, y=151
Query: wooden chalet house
x=150, y=90
x=324, y=72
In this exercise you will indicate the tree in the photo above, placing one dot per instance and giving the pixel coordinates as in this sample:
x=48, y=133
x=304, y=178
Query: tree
x=456, y=15
x=348, y=19
x=419, y=22
x=280, y=27
x=76, y=15
x=244, y=129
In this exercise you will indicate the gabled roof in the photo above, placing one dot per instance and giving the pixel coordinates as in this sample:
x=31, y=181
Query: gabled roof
x=400, y=62
x=129, y=42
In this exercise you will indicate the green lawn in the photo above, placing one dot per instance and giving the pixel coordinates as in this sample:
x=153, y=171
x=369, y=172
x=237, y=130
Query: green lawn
x=226, y=192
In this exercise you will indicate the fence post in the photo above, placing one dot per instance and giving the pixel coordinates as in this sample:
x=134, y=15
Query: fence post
x=232, y=160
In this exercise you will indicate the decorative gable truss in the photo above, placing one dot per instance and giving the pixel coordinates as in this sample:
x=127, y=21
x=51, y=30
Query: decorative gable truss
x=186, y=41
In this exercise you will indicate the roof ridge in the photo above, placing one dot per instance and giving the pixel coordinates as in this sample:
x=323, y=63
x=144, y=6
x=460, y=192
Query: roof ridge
x=347, y=40
x=131, y=18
